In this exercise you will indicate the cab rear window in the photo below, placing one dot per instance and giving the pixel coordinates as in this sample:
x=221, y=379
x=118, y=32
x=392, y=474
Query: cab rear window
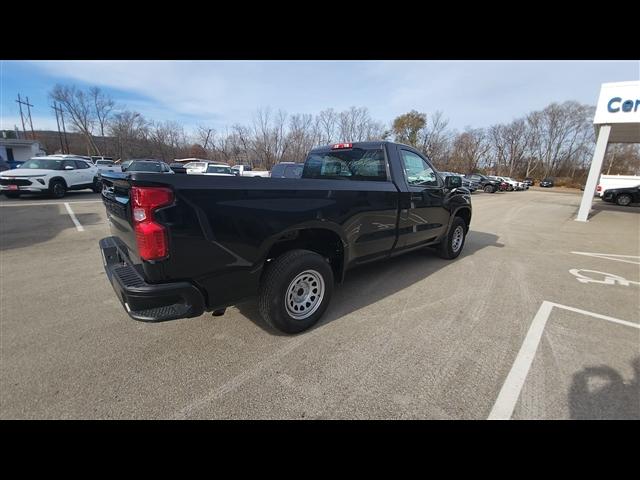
x=351, y=164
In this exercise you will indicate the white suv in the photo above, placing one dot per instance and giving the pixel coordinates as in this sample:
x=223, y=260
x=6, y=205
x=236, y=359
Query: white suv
x=53, y=175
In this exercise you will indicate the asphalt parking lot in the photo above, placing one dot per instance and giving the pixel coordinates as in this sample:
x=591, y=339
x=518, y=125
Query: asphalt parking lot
x=539, y=318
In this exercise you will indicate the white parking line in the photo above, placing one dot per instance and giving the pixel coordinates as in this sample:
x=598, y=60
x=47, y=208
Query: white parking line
x=79, y=227
x=510, y=391
x=45, y=203
x=612, y=256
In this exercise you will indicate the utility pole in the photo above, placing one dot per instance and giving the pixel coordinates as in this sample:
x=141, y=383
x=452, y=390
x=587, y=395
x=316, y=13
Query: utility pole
x=206, y=142
x=66, y=140
x=20, y=102
x=55, y=108
x=33, y=135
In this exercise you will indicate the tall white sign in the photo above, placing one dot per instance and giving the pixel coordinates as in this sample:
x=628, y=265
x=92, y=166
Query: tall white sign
x=618, y=103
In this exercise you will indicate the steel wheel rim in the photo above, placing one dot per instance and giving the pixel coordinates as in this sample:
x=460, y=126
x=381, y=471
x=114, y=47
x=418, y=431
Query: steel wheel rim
x=458, y=236
x=304, y=294
x=624, y=200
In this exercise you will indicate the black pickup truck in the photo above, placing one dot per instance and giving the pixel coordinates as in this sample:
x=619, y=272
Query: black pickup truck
x=185, y=244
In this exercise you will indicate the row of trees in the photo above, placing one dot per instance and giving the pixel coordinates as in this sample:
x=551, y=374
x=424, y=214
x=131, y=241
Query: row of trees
x=555, y=141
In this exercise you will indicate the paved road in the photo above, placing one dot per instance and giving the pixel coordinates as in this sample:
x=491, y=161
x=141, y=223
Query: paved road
x=413, y=337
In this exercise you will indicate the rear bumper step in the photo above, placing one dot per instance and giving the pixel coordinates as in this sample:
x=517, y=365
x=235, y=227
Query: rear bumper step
x=144, y=301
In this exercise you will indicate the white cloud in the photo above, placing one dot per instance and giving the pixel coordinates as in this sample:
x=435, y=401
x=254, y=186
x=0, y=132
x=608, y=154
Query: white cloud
x=221, y=93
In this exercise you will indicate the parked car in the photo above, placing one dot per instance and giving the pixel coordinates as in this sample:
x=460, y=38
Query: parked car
x=149, y=166
x=287, y=170
x=219, y=169
x=178, y=167
x=503, y=185
x=608, y=182
x=196, y=167
x=529, y=181
x=622, y=196
x=247, y=171
x=486, y=184
x=547, y=182
x=181, y=246
x=517, y=186
x=95, y=159
x=511, y=185
x=52, y=175
x=107, y=166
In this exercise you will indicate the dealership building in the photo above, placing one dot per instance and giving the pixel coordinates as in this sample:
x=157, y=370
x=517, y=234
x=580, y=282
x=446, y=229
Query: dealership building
x=17, y=150
x=617, y=120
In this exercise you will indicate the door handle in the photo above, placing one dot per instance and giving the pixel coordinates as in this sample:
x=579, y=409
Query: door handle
x=417, y=196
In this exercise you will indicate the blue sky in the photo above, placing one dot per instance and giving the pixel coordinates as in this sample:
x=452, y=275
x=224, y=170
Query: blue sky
x=221, y=93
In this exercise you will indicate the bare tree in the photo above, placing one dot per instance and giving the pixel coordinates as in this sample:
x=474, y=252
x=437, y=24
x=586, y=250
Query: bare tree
x=510, y=143
x=436, y=139
x=469, y=150
x=103, y=106
x=80, y=110
x=130, y=130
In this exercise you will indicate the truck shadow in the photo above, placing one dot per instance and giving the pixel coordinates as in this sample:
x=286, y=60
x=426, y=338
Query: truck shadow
x=600, y=206
x=613, y=399
x=393, y=275
x=27, y=226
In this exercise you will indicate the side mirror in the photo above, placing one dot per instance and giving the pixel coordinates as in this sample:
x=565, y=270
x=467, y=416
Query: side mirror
x=69, y=167
x=452, y=182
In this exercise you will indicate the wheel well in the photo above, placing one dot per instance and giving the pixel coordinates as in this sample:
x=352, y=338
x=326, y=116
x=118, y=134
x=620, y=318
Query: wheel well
x=322, y=241
x=58, y=179
x=465, y=214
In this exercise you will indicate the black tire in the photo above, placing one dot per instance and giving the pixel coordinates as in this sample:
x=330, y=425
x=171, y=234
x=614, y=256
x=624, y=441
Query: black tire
x=97, y=186
x=57, y=188
x=12, y=195
x=489, y=189
x=278, y=280
x=624, y=199
x=446, y=248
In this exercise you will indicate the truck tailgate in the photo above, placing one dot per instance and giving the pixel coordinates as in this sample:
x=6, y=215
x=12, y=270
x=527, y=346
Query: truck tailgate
x=115, y=196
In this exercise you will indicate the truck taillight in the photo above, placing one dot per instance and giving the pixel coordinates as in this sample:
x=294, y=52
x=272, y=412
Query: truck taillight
x=341, y=145
x=151, y=237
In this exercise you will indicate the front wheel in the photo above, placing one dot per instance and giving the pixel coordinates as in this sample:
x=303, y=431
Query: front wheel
x=58, y=189
x=452, y=244
x=489, y=189
x=295, y=291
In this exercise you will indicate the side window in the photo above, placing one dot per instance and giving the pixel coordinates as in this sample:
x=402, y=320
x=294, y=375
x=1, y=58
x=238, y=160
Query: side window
x=293, y=171
x=418, y=171
x=68, y=163
x=81, y=164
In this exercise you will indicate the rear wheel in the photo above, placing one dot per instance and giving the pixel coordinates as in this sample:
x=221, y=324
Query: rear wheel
x=452, y=244
x=57, y=188
x=623, y=199
x=489, y=189
x=295, y=291
x=97, y=186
